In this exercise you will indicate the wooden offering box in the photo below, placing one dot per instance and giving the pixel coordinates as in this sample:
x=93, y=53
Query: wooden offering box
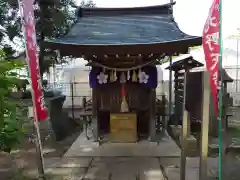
x=123, y=127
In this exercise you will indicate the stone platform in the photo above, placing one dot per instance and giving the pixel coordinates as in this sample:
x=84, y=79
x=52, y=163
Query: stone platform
x=86, y=148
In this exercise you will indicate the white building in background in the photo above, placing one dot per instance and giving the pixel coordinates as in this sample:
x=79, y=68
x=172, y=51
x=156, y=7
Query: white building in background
x=231, y=63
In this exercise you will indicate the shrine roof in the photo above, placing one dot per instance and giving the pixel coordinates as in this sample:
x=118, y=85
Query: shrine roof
x=186, y=63
x=114, y=28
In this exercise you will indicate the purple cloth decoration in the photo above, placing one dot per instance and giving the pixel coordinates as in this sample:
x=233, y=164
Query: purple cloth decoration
x=93, y=81
x=151, y=71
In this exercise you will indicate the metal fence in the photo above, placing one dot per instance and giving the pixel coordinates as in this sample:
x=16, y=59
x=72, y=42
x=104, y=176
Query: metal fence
x=75, y=92
x=234, y=90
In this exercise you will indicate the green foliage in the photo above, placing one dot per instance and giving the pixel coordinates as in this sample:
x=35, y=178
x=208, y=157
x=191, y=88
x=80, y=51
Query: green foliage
x=88, y=3
x=53, y=19
x=10, y=26
x=10, y=124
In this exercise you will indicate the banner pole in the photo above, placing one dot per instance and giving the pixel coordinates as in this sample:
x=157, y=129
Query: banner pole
x=37, y=137
x=38, y=144
x=220, y=131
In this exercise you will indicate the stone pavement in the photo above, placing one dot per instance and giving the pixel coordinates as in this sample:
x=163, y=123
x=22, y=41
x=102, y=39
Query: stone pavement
x=103, y=169
x=122, y=168
x=172, y=168
x=115, y=161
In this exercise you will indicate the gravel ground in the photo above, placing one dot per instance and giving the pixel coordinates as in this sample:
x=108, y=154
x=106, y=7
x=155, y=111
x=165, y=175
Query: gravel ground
x=12, y=165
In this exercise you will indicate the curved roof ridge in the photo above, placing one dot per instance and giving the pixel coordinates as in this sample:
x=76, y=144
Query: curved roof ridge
x=95, y=11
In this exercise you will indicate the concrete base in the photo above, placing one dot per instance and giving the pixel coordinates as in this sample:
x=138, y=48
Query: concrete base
x=86, y=148
x=176, y=130
x=191, y=143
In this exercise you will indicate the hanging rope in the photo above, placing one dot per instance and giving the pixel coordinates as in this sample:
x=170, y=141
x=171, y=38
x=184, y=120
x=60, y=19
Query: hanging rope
x=124, y=69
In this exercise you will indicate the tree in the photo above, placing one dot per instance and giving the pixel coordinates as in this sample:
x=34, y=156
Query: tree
x=88, y=3
x=10, y=27
x=53, y=19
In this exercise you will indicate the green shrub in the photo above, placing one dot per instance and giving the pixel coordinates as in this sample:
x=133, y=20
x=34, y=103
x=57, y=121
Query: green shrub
x=11, y=129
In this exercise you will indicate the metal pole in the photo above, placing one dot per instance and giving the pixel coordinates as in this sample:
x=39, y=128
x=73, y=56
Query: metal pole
x=237, y=69
x=165, y=124
x=220, y=100
x=54, y=76
x=170, y=78
x=72, y=85
x=170, y=88
x=185, y=125
x=205, y=127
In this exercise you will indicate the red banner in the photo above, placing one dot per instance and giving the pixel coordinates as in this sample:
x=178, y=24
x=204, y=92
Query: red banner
x=211, y=47
x=28, y=25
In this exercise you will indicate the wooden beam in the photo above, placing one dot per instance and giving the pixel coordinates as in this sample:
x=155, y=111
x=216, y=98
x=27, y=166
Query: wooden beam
x=169, y=48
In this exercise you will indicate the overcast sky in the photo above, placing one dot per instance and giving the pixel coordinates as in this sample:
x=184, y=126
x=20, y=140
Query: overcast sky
x=191, y=16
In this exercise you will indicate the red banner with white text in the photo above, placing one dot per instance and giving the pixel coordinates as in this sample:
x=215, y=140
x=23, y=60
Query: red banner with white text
x=28, y=25
x=211, y=47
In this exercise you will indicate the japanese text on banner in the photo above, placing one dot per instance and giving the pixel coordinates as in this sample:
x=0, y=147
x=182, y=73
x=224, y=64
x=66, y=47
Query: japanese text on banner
x=211, y=49
x=28, y=23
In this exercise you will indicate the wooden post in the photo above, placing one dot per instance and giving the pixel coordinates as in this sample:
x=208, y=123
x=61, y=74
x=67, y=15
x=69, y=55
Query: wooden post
x=169, y=94
x=152, y=111
x=185, y=125
x=164, y=111
x=225, y=140
x=95, y=114
x=205, y=127
x=188, y=124
x=176, y=98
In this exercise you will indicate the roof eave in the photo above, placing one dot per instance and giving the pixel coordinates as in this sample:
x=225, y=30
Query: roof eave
x=79, y=50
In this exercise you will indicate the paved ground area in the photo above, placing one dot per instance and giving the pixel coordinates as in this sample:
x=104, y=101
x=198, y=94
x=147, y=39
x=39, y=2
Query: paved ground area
x=122, y=168
x=120, y=161
x=172, y=168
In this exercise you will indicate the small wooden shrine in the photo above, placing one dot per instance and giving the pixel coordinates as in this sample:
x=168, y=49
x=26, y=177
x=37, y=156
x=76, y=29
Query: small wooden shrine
x=194, y=93
x=123, y=46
